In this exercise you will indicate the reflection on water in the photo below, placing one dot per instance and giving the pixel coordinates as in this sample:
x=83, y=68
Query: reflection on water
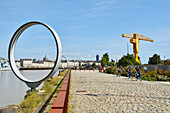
x=35, y=74
x=12, y=90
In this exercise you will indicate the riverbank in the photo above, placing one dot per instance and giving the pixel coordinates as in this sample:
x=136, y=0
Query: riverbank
x=38, y=100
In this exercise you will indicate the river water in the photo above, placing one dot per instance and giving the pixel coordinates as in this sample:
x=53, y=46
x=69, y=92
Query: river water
x=12, y=90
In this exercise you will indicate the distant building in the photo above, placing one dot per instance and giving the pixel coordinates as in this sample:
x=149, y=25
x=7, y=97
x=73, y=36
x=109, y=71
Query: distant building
x=97, y=58
x=45, y=58
x=76, y=63
x=26, y=62
x=48, y=64
x=34, y=60
x=17, y=62
x=36, y=63
x=2, y=60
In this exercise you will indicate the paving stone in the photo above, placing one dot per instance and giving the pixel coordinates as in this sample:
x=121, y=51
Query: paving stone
x=106, y=93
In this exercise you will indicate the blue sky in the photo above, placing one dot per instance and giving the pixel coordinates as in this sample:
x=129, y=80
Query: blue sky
x=86, y=27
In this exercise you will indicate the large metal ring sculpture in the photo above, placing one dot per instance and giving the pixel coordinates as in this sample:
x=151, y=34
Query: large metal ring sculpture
x=33, y=83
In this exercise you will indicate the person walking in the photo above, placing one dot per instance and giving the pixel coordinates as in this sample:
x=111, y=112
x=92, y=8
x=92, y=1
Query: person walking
x=138, y=73
x=101, y=69
x=104, y=68
x=118, y=72
x=130, y=72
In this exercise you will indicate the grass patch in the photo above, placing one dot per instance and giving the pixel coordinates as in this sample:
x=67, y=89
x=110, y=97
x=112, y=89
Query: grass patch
x=47, y=87
x=31, y=102
x=35, y=98
x=54, y=81
x=64, y=73
x=149, y=78
x=165, y=80
x=155, y=79
x=71, y=108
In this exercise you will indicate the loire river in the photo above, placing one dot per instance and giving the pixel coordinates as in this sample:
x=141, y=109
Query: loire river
x=12, y=90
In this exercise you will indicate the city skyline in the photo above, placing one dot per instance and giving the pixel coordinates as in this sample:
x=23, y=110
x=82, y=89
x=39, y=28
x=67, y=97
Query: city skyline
x=86, y=28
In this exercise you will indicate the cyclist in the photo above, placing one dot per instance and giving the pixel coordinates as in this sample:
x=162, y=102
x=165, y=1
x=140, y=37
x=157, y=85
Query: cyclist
x=138, y=73
x=130, y=72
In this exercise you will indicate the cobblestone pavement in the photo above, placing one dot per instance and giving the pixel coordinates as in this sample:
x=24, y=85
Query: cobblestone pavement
x=94, y=92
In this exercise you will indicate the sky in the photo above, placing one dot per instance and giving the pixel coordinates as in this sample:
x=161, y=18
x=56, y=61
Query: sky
x=86, y=27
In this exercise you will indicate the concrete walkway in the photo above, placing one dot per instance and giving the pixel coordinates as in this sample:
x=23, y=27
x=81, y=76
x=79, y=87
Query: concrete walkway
x=94, y=92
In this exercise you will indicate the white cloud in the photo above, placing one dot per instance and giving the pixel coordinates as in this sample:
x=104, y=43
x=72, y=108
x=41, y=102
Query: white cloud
x=103, y=5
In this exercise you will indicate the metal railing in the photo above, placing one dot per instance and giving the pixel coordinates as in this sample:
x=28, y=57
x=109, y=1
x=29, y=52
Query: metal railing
x=60, y=104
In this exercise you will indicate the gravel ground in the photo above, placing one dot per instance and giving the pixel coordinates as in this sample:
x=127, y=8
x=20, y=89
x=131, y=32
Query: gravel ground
x=94, y=92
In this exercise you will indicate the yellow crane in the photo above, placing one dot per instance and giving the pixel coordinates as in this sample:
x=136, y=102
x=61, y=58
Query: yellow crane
x=135, y=37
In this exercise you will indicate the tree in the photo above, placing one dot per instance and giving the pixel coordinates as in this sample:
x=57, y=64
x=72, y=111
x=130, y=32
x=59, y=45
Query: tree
x=94, y=65
x=167, y=62
x=154, y=60
x=106, y=56
x=112, y=63
x=103, y=62
x=128, y=60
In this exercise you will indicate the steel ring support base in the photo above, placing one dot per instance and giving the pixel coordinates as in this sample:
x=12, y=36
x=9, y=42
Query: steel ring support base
x=33, y=83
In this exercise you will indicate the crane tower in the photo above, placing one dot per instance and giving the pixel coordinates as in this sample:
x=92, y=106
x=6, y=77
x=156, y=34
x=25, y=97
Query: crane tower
x=135, y=37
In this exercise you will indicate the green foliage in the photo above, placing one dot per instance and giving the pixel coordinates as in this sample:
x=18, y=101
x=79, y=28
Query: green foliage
x=31, y=102
x=124, y=73
x=106, y=56
x=111, y=70
x=167, y=62
x=112, y=63
x=148, y=75
x=157, y=77
x=71, y=108
x=103, y=62
x=54, y=81
x=153, y=76
x=94, y=65
x=153, y=73
x=143, y=73
x=145, y=78
x=154, y=60
x=64, y=72
x=153, y=79
x=127, y=60
x=80, y=67
x=165, y=80
x=167, y=73
x=47, y=87
x=160, y=71
x=121, y=72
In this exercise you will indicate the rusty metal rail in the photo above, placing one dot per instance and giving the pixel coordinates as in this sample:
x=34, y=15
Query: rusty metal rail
x=60, y=104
